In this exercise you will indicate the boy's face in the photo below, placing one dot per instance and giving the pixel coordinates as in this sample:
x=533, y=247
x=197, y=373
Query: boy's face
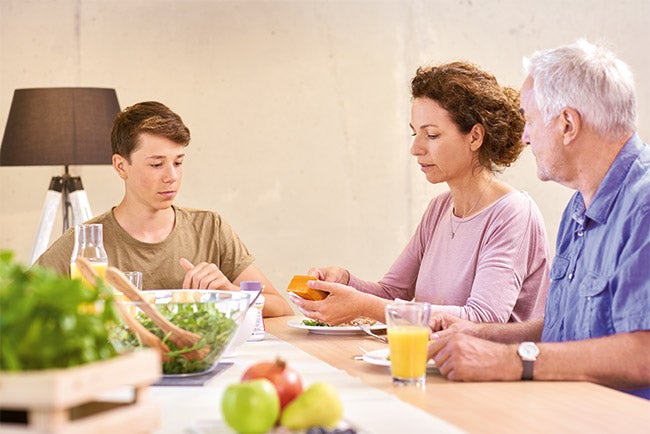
x=153, y=178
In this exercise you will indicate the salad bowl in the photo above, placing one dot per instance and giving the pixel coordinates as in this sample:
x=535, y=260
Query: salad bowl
x=213, y=315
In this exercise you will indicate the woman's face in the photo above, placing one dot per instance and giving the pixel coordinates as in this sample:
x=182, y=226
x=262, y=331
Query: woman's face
x=443, y=152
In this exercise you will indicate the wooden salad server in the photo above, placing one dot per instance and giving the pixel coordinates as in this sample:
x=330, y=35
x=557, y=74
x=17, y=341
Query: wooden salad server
x=180, y=337
x=149, y=339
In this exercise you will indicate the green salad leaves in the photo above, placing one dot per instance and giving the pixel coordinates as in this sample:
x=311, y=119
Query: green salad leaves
x=51, y=321
x=315, y=323
x=204, y=319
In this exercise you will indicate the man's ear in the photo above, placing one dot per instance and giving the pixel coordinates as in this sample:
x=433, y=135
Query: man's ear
x=118, y=164
x=476, y=135
x=571, y=124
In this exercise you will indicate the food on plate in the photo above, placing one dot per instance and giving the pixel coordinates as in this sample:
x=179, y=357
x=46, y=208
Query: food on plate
x=315, y=323
x=251, y=406
x=318, y=405
x=286, y=380
x=298, y=286
x=355, y=322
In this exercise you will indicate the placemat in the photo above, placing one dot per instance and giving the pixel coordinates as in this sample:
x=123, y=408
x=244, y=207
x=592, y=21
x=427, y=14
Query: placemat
x=193, y=380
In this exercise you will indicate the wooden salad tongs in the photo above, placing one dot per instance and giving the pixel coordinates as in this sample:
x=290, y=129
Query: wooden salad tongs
x=180, y=337
x=148, y=339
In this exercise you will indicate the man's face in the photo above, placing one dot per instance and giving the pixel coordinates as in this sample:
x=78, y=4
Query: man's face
x=153, y=177
x=545, y=140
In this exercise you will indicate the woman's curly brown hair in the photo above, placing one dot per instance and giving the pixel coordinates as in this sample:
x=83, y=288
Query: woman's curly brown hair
x=472, y=96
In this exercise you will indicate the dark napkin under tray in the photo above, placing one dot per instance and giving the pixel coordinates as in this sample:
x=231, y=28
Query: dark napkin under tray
x=193, y=380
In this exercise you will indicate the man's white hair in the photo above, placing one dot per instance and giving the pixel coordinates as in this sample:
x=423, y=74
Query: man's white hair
x=589, y=79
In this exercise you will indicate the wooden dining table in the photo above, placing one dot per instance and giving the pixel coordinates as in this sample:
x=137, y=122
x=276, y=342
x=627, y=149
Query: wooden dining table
x=481, y=407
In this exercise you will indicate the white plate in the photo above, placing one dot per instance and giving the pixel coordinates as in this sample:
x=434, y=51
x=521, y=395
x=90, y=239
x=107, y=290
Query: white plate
x=333, y=330
x=380, y=358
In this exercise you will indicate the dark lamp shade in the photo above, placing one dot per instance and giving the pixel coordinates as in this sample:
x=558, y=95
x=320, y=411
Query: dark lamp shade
x=59, y=126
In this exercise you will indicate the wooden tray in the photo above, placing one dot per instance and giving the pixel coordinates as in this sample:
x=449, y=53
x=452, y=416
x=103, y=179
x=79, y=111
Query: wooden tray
x=84, y=399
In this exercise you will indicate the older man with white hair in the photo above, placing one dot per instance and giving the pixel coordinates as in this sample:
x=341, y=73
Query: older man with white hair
x=580, y=110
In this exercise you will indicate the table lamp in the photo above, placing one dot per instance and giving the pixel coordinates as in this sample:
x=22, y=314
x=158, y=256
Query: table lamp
x=60, y=126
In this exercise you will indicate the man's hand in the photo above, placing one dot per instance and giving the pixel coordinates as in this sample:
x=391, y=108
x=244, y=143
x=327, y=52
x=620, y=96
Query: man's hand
x=460, y=357
x=204, y=276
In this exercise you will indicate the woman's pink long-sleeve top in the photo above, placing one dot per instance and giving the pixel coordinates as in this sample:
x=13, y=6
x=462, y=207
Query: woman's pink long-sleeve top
x=495, y=268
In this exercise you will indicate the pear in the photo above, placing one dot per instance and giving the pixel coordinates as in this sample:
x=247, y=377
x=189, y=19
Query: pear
x=318, y=405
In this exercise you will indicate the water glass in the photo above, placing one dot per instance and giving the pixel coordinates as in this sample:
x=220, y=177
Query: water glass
x=135, y=277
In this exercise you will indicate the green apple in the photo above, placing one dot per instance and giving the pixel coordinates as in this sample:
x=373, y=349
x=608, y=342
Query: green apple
x=251, y=407
x=318, y=405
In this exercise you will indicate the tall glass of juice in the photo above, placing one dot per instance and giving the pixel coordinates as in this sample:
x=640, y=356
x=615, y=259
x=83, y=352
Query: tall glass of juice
x=408, y=338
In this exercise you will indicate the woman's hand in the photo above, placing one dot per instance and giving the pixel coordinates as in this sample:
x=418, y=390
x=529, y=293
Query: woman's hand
x=204, y=276
x=331, y=274
x=443, y=325
x=343, y=304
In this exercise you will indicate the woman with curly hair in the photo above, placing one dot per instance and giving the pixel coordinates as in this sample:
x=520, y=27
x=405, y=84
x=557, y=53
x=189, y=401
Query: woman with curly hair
x=480, y=251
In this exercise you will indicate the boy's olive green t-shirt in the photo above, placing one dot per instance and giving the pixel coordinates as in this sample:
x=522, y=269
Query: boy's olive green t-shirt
x=198, y=235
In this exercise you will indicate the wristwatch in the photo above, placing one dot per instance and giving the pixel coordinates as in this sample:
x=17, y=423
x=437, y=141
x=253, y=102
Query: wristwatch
x=528, y=352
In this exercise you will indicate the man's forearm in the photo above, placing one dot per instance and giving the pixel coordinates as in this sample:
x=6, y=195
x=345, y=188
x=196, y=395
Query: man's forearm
x=512, y=333
x=620, y=361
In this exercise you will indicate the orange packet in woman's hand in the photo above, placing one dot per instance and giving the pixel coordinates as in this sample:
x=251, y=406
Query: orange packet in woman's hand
x=298, y=286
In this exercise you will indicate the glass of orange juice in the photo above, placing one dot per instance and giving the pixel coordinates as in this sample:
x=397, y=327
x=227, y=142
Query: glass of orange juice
x=408, y=338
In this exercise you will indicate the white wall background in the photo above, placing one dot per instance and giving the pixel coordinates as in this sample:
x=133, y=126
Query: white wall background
x=298, y=110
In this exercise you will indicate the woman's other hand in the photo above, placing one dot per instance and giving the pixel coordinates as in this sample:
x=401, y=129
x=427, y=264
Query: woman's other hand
x=443, y=324
x=331, y=274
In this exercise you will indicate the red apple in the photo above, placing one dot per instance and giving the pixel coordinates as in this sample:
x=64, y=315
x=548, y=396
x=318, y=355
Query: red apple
x=285, y=379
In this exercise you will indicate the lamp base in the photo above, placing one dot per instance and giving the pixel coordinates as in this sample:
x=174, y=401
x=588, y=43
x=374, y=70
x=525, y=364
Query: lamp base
x=66, y=191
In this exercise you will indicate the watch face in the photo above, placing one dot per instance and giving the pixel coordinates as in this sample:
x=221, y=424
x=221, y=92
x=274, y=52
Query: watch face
x=528, y=350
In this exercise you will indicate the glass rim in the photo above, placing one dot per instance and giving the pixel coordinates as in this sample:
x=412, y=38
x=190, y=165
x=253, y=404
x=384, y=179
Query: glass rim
x=408, y=303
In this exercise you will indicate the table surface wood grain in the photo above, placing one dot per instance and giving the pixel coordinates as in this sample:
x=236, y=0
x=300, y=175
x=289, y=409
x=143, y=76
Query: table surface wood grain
x=487, y=407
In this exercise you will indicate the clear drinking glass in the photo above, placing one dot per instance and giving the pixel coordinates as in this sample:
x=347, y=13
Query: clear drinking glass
x=135, y=277
x=408, y=339
x=89, y=243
